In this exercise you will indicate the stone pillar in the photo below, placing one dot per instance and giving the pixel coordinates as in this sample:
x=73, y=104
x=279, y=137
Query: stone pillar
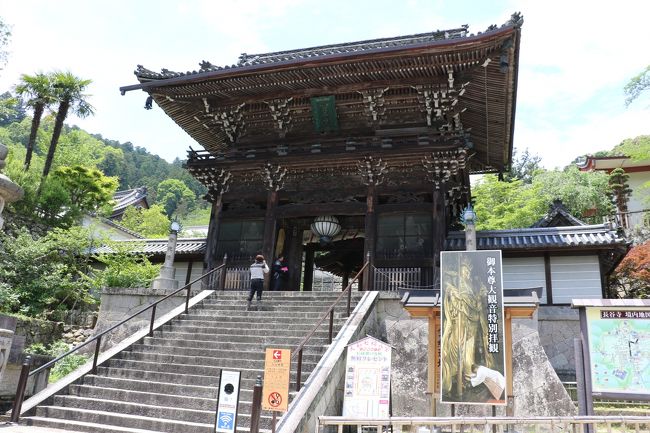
x=7, y=328
x=167, y=278
x=9, y=191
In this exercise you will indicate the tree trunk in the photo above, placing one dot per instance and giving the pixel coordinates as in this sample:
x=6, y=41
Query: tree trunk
x=56, y=133
x=36, y=122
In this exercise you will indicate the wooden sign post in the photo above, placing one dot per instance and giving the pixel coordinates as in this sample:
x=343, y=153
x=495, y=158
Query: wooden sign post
x=275, y=393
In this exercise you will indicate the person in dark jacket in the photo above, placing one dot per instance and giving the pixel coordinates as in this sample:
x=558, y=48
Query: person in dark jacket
x=280, y=274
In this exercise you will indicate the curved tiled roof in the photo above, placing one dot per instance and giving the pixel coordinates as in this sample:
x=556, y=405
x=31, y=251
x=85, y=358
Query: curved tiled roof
x=159, y=246
x=349, y=48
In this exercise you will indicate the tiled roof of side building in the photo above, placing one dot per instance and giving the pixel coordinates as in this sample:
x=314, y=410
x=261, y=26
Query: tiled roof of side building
x=184, y=246
x=587, y=236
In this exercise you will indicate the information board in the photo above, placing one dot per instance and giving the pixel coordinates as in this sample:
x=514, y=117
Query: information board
x=275, y=392
x=226, y=420
x=472, y=350
x=367, y=379
x=619, y=351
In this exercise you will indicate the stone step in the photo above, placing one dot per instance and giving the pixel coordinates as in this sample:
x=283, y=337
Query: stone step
x=151, y=397
x=66, y=425
x=236, y=334
x=120, y=419
x=210, y=326
x=155, y=387
x=230, y=363
x=257, y=316
x=155, y=376
x=225, y=341
x=185, y=369
x=226, y=350
x=288, y=302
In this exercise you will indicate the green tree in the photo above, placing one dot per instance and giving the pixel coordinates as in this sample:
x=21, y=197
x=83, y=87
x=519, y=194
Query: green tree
x=620, y=188
x=69, y=91
x=637, y=148
x=507, y=205
x=150, y=223
x=175, y=197
x=46, y=275
x=39, y=94
x=523, y=166
x=87, y=188
x=125, y=268
x=636, y=86
x=12, y=109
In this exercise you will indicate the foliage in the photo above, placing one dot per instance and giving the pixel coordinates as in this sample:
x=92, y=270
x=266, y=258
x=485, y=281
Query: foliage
x=637, y=148
x=47, y=275
x=66, y=365
x=515, y=204
x=69, y=91
x=12, y=109
x=125, y=268
x=506, y=205
x=631, y=279
x=150, y=223
x=39, y=93
x=636, y=86
x=523, y=167
x=620, y=188
x=586, y=195
x=198, y=217
x=88, y=189
x=175, y=197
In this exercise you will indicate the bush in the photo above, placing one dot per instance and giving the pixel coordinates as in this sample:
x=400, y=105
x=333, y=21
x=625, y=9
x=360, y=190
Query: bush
x=65, y=366
x=125, y=268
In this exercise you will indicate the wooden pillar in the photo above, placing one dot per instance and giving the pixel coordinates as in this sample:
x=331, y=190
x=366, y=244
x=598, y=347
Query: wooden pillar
x=346, y=279
x=309, y=268
x=370, y=237
x=439, y=229
x=270, y=230
x=210, y=259
x=294, y=256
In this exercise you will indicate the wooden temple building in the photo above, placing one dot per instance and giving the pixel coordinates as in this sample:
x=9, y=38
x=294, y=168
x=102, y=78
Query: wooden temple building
x=380, y=134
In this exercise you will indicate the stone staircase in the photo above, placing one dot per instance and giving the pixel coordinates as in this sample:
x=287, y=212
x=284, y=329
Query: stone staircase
x=168, y=382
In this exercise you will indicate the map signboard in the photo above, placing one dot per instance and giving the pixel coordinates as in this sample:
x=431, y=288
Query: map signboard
x=472, y=349
x=619, y=351
x=275, y=392
x=367, y=379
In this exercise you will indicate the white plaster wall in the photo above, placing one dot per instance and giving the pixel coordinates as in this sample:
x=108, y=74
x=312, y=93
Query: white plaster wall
x=524, y=272
x=636, y=201
x=575, y=277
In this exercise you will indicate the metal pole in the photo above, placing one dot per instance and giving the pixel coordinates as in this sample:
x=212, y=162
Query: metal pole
x=273, y=422
x=331, y=325
x=20, y=390
x=256, y=409
x=299, y=370
x=97, y=347
x=153, y=318
x=224, y=272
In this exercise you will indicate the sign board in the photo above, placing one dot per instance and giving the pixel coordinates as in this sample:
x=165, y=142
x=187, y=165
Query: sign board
x=226, y=420
x=472, y=349
x=275, y=392
x=619, y=351
x=367, y=379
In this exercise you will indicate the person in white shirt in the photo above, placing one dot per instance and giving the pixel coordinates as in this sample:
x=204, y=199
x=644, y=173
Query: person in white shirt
x=258, y=269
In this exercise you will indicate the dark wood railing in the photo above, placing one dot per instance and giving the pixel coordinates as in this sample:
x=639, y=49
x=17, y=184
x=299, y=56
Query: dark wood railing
x=297, y=352
x=209, y=281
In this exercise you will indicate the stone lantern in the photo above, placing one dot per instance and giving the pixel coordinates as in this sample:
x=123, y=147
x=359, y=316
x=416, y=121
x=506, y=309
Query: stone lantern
x=9, y=191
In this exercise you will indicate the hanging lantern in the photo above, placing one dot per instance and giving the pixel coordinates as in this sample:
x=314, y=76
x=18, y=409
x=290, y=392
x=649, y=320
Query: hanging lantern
x=326, y=227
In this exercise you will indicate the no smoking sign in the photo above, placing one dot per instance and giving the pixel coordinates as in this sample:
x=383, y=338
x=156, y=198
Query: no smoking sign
x=275, y=399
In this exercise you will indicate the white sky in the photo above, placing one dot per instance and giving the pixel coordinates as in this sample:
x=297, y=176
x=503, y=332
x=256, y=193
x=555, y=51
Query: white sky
x=576, y=56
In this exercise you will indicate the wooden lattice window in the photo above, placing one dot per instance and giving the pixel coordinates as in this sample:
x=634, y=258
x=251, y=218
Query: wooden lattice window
x=404, y=235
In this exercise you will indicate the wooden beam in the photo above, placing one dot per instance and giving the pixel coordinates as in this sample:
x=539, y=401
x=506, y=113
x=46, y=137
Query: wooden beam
x=270, y=227
x=548, y=278
x=210, y=259
x=316, y=209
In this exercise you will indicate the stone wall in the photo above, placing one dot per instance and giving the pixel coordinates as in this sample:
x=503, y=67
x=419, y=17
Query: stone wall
x=538, y=390
x=38, y=331
x=117, y=304
x=558, y=326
